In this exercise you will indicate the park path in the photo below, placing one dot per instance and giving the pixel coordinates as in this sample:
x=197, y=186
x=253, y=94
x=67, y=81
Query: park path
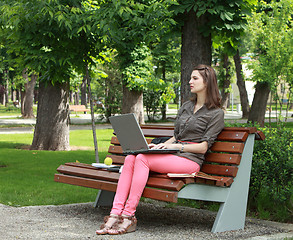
x=156, y=221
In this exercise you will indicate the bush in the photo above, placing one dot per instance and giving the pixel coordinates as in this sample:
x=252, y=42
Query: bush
x=270, y=195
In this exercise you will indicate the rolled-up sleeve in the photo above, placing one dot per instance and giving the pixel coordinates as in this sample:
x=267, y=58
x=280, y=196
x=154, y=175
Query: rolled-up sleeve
x=214, y=127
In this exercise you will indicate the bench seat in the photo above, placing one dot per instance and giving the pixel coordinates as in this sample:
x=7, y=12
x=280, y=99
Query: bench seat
x=78, y=108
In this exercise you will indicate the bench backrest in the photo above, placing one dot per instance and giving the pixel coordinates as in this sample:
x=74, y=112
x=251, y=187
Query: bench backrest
x=222, y=160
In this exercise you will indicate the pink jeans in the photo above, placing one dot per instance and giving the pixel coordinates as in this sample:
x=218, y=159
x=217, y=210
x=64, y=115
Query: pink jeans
x=135, y=174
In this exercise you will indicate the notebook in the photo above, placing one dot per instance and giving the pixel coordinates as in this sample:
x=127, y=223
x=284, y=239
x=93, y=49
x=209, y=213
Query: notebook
x=131, y=137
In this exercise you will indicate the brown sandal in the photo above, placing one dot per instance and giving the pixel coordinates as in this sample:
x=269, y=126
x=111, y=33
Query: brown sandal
x=120, y=229
x=104, y=228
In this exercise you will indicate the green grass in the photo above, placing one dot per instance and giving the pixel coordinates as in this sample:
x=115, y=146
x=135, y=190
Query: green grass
x=28, y=176
x=11, y=110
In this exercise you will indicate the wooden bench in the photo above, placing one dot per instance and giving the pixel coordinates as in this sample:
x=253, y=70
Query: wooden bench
x=224, y=176
x=78, y=108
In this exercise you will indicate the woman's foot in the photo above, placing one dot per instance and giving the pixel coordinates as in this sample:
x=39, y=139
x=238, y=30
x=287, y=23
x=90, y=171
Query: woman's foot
x=127, y=225
x=110, y=221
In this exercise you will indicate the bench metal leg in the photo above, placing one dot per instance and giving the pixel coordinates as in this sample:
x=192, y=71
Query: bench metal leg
x=231, y=215
x=104, y=198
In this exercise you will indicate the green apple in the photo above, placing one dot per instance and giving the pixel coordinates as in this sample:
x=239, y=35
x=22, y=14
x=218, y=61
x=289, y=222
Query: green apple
x=108, y=161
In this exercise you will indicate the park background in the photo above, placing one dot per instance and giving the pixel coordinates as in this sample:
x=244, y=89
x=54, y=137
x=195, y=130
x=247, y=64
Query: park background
x=124, y=56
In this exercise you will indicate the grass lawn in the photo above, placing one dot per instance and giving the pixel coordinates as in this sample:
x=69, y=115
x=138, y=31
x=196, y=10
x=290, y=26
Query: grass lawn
x=9, y=110
x=28, y=176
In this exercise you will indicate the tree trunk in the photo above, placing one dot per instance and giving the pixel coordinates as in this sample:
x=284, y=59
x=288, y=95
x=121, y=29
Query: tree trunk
x=6, y=75
x=52, y=127
x=258, y=107
x=133, y=103
x=28, y=100
x=87, y=80
x=12, y=96
x=76, y=97
x=226, y=82
x=241, y=86
x=199, y=53
x=71, y=97
x=164, y=105
x=23, y=92
x=83, y=92
x=2, y=95
x=17, y=95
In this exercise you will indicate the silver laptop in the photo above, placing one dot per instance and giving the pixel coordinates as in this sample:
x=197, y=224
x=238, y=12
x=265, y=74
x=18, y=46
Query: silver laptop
x=131, y=137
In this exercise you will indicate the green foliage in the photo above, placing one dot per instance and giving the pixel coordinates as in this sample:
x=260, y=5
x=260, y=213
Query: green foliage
x=270, y=39
x=52, y=36
x=226, y=18
x=108, y=89
x=131, y=28
x=157, y=94
x=139, y=69
x=271, y=177
x=126, y=23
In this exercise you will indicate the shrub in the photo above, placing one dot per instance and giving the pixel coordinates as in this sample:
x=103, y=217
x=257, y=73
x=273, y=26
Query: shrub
x=270, y=195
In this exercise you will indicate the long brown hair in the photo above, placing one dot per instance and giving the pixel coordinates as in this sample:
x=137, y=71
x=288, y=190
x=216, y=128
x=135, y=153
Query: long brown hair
x=213, y=99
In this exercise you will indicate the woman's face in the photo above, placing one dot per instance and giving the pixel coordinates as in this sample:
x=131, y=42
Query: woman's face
x=197, y=84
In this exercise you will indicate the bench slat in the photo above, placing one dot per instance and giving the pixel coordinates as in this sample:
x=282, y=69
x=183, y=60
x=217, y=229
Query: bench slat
x=229, y=147
x=117, y=159
x=222, y=170
x=162, y=195
x=86, y=182
x=157, y=194
x=89, y=173
x=114, y=149
x=100, y=174
x=223, y=158
x=168, y=184
x=232, y=136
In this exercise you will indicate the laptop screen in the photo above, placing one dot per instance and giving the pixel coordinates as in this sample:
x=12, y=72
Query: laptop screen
x=128, y=132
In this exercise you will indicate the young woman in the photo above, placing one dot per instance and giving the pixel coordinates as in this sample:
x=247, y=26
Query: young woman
x=198, y=123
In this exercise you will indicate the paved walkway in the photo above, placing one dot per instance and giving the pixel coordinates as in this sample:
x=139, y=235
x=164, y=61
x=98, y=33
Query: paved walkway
x=83, y=121
x=156, y=221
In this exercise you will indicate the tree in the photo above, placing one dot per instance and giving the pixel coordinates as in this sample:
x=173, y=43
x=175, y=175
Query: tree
x=166, y=61
x=201, y=21
x=54, y=37
x=131, y=27
x=274, y=55
x=27, y=95
x=241, y=85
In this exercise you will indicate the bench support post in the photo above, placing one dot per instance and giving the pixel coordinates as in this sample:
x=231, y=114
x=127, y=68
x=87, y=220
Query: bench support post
x=231, y=215
x=104, y=198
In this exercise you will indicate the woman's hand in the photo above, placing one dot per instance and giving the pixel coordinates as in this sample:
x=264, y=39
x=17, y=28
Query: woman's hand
x=157, y=146
x=193, y=148
x=163, y=146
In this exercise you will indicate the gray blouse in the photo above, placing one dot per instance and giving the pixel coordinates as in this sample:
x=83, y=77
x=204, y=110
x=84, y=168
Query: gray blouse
x=204, y=125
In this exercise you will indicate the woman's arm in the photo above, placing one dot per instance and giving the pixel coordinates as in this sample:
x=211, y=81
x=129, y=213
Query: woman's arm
x=189, y=147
